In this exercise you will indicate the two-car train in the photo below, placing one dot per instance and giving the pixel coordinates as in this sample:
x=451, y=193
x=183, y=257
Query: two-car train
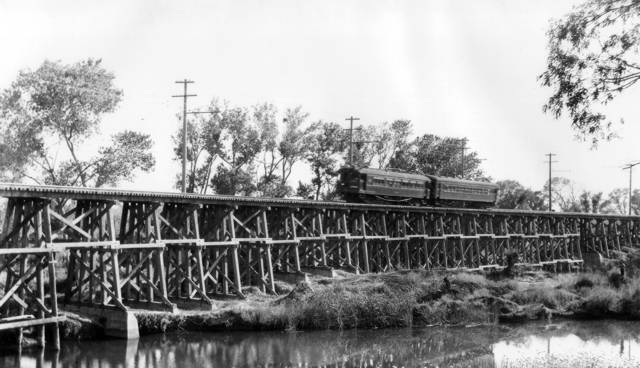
x=393, y=187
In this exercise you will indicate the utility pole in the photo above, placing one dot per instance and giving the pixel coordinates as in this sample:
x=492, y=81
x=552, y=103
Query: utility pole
x=351, y=119
x=351, y=141
x=464, y=148
x=185, y=95
x=550, y=161
x=630, y=168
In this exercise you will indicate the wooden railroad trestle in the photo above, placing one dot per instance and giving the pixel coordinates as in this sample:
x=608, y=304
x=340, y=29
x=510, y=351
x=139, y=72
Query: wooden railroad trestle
x=125, y=249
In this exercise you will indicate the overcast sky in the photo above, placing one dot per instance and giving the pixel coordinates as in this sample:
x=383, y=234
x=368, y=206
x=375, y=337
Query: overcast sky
x=454, y=68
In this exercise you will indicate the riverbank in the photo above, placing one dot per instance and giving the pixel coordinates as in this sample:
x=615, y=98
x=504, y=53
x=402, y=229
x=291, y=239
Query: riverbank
x=402, y=299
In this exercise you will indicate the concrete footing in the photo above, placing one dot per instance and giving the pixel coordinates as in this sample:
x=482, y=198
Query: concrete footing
x=117, y=323
x=291, y=278
x=306, y=272
x=324, y=272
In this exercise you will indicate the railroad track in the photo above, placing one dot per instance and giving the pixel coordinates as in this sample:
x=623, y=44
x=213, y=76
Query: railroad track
x=13, y=190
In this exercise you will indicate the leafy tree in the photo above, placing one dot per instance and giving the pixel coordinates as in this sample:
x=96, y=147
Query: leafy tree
x=382, y=142
x=241, y=145
x=280, y=151
x=227, y=137
x=591, y=202
x=292, y=147
x=305, y=191
x=258, y=152
x=563, y=195
x=513, y=195
x=431, y=154
x=593, y=57
x=567, y=199
x=617, y=202
x=395, y=139
x=127, y=152
x=265, y=118
x=203, y=146
x=230, y=180
x=366, y=140
x=61, y=106
x=325, y=141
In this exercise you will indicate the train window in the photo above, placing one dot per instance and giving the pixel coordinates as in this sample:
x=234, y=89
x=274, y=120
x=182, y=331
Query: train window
x=466, y=190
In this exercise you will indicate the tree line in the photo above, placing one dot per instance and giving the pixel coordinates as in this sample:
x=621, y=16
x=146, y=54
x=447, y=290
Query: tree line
x=253, y=151
x=47, y=115
x=566, y=198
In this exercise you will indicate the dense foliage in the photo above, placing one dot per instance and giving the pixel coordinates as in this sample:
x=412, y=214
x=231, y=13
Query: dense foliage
x=593, y=57
x=566, y=198
x=252, y=151
x=45, y=116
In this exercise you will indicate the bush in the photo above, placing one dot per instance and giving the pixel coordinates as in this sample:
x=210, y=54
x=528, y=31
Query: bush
x=615, y=277
x=511, y=258
x=550, y=297
x=366, y=306
x=602, y=301
x=631, y=298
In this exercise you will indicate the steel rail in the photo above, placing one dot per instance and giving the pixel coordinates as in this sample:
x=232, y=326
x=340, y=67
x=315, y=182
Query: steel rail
x=15, y=190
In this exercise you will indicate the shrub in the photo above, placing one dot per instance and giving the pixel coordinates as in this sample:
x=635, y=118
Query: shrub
x=511, y=258
x=615, y=277
x=546, y=295
x=583, y=282
x=602, y=301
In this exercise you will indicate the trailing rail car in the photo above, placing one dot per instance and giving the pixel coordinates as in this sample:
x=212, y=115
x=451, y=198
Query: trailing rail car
x=387, y=186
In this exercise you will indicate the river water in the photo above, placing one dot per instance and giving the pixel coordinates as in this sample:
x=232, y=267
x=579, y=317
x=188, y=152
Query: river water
x=565, y=344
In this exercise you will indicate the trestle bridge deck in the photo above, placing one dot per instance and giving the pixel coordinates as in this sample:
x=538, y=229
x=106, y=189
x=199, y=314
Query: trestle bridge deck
x=124, y=249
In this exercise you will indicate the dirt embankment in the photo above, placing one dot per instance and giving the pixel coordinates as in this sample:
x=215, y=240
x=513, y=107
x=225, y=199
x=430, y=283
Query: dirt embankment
x=415, y=298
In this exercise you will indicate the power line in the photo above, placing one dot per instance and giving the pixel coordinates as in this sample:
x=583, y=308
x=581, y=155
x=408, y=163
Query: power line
x=185, y=95
x=630, y=168
x=204, y=112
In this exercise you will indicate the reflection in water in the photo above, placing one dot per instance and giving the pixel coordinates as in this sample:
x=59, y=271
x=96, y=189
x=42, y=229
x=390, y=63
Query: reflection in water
x=606, y=343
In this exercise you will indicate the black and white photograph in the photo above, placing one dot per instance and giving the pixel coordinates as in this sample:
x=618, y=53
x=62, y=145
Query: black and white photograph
x=319, y=183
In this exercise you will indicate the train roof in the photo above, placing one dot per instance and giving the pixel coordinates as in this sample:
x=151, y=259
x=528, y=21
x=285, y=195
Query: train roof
x=470, y=183
x=427, y=178
x=397, y=174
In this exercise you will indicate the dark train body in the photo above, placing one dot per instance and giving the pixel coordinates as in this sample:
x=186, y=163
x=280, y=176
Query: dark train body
x=385, y=186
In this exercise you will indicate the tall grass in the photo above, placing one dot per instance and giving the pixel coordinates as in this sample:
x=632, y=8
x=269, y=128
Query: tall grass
x=417, y=298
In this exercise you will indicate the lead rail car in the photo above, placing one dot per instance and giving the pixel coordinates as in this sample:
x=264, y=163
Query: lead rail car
x=386, y=186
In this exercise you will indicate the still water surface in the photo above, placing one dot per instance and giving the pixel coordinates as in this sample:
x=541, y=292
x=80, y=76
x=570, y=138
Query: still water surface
x=566, y=344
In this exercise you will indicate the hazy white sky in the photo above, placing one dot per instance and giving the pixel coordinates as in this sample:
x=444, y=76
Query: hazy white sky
x=459, y=68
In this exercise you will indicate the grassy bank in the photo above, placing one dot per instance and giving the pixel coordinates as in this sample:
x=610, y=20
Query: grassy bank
x=416, y=298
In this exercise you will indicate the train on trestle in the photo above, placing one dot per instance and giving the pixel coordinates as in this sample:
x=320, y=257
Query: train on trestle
x=376, y=186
